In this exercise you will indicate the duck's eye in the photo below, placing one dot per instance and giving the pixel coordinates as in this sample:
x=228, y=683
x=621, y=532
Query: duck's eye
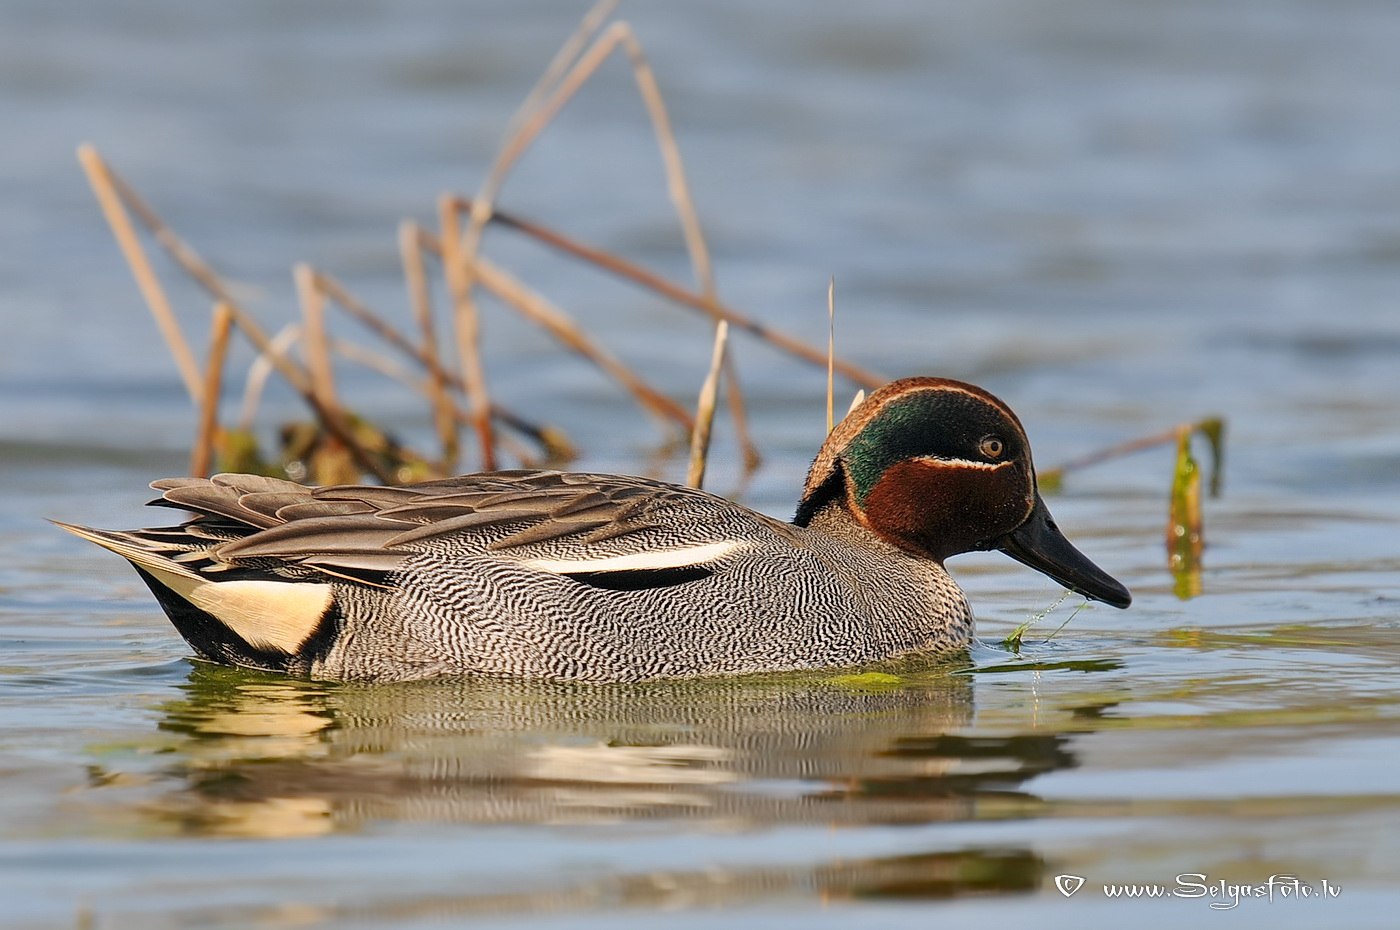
x=991, y=447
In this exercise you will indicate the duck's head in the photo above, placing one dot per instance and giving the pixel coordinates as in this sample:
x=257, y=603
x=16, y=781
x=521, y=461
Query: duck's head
x=938, y=467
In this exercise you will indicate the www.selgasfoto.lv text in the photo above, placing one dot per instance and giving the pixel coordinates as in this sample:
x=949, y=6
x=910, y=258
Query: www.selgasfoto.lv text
x=1221, y=894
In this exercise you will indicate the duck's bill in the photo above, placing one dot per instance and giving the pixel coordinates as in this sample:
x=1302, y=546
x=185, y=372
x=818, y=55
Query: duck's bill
x=1040, y=544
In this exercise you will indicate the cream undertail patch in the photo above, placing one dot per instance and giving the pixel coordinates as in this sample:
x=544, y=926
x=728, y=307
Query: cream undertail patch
x=265, y=614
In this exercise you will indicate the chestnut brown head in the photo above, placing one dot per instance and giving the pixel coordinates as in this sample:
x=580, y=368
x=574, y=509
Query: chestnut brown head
x=939, y=467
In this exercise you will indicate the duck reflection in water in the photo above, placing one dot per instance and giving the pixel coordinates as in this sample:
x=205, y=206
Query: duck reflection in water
x=269, y=756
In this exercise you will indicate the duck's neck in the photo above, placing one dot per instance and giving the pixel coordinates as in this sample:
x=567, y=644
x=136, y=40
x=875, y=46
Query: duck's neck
x=836, y=518
x=913, y=603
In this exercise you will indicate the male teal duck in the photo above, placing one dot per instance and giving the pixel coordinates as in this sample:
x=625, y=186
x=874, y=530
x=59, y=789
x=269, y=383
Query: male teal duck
x=587, y=577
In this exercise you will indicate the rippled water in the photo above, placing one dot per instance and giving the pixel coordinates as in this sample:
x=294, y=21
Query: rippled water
x=1115, y=216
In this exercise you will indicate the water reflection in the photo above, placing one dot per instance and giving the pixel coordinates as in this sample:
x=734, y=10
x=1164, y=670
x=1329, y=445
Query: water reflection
x=253, y=756
x=271, y=757
x=933, y=876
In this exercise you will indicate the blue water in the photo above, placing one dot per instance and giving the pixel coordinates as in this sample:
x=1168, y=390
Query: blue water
x=1117, y=217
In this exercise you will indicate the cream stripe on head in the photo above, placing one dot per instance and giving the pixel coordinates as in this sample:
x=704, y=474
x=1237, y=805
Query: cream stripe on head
x=964, y=463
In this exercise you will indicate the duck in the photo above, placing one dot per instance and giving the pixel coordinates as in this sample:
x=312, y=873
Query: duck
x=572, y=576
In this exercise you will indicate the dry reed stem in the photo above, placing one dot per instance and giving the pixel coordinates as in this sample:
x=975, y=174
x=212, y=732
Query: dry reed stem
x=532, y=122
x=504, y=439
x=466, y=325
x=831, y=354
x=568, y=53
x=316, y=343
x=331, y=287
x=676, y=184
x=459, y=253
x=377, y=362
x=740, y=416
x=1120, y=449
x=559, y=82
x=705, y=409
x=195, y=266
x=424, y=241
x=540, y=108
x=550, y=440
x=106, y=187
x=536, y=308
x=523, y=127
x=183, y=254
x=648, y=279
x=420, y=300
x=331, y=418
x=260, y=371
x=679, y=189
x=202, y=455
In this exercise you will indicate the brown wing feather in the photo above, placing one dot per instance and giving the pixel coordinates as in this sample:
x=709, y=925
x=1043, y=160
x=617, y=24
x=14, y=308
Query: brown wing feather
x=364, y=532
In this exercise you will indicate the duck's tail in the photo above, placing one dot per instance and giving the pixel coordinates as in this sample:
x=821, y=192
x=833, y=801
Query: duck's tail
x=243, y=617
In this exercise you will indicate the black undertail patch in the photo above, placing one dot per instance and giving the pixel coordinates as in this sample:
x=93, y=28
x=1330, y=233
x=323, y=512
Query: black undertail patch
x=641, y=579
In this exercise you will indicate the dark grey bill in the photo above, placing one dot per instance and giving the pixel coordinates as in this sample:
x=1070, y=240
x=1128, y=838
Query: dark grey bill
x=1040, y=544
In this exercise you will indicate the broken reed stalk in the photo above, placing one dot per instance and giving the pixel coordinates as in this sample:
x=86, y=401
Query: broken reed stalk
x=575, y=64
x=553, y=447
x=650, y=280
x=1120, y=449
x=459, y=252
x=420, y=301
x=330, y=286
x=331, y=419
x=260, y=371
x=377, y=362
x=183, y=254
x=112, y=185
x=537, y=309
x=105, y=186
x=325, y=460
x=552, y=440
x=524, y=126
x=1211, y=427
x=830, y=354
x=705, y=410
x=738, y=413
x=384, y=365
x=568, y=53
x=676, y=184
x=679, y=189
x=467, y=326
x=202, y=456
x=574, y=68
x=316, y=343
x=562, y=327
x=438, y=377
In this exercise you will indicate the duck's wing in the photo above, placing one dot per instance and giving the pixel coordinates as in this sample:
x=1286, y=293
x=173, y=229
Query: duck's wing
x=251, y=579
x=593, y=527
